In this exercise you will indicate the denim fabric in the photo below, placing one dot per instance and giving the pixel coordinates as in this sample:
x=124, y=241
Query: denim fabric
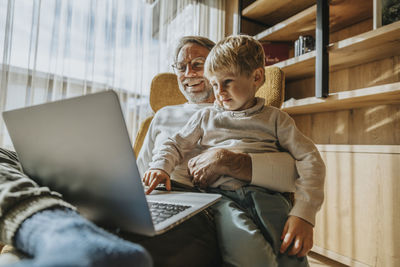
x=249, y=224
x=192, y=243
x=61, y=237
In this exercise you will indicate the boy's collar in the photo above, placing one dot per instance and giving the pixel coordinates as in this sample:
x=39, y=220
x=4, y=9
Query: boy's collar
x=246, y=112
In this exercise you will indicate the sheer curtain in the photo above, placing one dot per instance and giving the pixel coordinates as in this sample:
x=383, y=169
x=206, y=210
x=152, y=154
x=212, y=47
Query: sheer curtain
x=187, y=17
x=54, y=49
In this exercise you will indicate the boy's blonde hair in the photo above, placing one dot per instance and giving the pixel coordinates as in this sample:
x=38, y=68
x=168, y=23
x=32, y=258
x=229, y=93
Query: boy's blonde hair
x=239, y=55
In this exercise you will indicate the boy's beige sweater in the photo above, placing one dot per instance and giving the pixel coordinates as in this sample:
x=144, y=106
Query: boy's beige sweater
x=259, y=129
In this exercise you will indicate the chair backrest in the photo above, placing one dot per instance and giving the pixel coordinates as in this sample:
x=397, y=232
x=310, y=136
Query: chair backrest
x=273, y=90
x=164, y=91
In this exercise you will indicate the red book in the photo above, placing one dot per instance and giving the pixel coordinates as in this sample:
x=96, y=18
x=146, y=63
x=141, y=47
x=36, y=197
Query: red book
x=275, y=52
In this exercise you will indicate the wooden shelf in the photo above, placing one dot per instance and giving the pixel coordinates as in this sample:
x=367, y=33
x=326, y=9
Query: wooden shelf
x=373, y=45
x=271, y=12
x=298, y=67
x=370, y=46
x=342, y=14
x=302, y=23
x=374, y=149
x=377, y=95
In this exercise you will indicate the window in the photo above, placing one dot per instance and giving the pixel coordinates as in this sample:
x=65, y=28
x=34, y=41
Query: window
x=53, y=49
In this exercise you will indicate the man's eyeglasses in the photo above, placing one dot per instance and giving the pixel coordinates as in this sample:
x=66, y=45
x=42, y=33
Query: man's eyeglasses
x=196, y=64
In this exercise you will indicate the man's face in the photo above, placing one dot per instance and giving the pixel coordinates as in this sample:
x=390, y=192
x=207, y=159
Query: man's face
x=192, y=83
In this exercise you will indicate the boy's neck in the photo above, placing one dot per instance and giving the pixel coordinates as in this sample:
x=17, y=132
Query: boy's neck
x=253, y=103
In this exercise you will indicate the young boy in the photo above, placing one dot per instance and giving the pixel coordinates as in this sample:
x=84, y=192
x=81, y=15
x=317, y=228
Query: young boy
x=240, y=122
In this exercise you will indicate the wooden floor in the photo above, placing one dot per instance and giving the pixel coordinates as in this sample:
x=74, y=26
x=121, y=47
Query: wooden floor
x=316, y=260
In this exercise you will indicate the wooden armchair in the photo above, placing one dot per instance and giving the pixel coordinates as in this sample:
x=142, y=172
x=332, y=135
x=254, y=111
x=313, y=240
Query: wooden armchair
x=164, y=91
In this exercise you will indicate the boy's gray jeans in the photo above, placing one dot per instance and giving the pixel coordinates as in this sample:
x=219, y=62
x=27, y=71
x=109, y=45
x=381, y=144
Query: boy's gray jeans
x=249, y=224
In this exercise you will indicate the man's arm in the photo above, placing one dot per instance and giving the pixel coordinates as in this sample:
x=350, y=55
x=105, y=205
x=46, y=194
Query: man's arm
x=275, y=170
x=20, y=197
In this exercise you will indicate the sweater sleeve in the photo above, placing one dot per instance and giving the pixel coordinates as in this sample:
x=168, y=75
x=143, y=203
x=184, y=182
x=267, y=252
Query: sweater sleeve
x=275, y=171
x=309, y=193
x=174, y=149
x=20, y=197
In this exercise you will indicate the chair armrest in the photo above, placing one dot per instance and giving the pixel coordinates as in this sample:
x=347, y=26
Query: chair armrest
x=141, y=135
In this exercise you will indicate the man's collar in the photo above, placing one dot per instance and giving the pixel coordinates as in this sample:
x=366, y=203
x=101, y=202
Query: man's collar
x=197, y=104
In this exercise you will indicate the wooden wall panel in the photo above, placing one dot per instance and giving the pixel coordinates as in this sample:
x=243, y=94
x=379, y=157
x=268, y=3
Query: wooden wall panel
x=360, y=216
x=300, y=88
x=366, y=75
x=376, y=125
x=373, y=73
x=339, y=81
x=396, y=65
x=350, y=31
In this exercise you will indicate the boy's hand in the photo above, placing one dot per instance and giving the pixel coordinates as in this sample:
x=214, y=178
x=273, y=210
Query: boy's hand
x=154, y=177
x=299, y=233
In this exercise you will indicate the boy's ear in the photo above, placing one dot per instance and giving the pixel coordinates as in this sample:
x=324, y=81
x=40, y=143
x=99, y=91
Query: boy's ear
x=259, y=76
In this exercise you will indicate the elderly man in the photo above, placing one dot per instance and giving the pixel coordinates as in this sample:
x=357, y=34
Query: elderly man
x=39, y=223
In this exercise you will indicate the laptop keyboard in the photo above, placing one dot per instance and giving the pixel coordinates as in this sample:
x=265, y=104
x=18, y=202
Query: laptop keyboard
x=162, y=211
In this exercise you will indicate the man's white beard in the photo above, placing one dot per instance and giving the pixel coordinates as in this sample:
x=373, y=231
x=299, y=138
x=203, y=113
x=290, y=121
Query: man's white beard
x=196, y=97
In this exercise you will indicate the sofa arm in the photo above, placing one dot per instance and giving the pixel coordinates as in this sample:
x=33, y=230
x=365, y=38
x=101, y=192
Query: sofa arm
x=9, y=255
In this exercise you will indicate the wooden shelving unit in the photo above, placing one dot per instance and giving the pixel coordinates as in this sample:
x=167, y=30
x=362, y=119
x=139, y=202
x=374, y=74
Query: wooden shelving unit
x=366, y=47
x=271, y=12
x=342, y=13
x=360, y=144
x=377, y=95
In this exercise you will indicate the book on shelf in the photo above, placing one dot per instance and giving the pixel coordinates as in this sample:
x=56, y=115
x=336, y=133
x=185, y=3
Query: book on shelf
x=390, y=11
x=304, y=44
x=275, y=52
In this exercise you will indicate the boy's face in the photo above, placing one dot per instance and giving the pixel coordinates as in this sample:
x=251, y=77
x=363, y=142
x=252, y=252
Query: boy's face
x=235, y=92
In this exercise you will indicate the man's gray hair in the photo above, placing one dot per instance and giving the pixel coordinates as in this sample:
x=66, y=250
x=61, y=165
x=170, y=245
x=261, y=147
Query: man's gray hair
x=199, y=40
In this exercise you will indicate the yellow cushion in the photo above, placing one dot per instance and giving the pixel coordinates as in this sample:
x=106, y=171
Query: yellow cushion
x=273, y=90
x=6, y=249
x=141, y=135
x=164, y=91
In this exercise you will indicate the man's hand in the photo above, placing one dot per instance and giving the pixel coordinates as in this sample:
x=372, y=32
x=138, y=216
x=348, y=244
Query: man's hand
x=299, y=233
x=207, y=167
x=154, y=177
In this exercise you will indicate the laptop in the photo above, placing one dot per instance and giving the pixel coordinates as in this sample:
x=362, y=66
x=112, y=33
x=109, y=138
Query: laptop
x=81, y=148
